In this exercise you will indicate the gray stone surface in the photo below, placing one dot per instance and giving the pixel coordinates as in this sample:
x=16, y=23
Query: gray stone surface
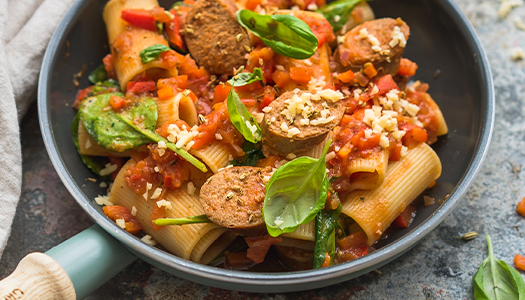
x=440, y=267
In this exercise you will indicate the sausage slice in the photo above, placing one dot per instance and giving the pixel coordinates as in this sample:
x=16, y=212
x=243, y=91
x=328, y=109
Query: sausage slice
x=299, y=120
x=380, y=42
x=214, y=38
x=233, y=198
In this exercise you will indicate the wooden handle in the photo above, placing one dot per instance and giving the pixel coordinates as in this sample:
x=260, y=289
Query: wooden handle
x=37, y=276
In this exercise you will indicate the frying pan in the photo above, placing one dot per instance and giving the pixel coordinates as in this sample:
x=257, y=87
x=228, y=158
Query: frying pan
x=450, y=58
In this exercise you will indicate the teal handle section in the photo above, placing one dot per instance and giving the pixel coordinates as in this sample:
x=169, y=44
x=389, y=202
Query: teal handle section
x=91, y=258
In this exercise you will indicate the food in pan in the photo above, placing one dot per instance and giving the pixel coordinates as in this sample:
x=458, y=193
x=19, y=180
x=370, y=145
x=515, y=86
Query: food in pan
x=239, y=132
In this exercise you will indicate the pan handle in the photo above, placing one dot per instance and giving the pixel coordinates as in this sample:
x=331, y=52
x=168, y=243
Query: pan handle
x=71, y=270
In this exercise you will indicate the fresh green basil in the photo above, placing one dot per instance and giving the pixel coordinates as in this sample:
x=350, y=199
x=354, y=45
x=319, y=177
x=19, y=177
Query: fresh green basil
x=152, y=52
x=153, y=136
x=90, y=163
x=338, y=12
x=98, y=75
x=495, y=280
x=252, y=154
x=108, y=130
x=325, y=224
x=183, y=221
x=285, y=34
x=246, y=78
x=242, y=119
x=296, y=192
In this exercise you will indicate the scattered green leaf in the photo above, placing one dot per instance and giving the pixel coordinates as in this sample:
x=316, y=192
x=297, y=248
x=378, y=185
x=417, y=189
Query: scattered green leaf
x=338, y=12
x=252, y=154
x=98, y=75
x=152, y=52
x=325, y=224
x=495, y=280
x=295, y=194
x=242, y=119
x=285, y=34
x=245, y=78
x=183, y=221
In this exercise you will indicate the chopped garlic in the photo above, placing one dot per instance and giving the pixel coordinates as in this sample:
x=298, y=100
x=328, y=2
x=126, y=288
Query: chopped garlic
x=134, y=211
x=103, y=200
x=148, y=240
x=108, y=169
x=156, y=193
x=190, y=188
x=121, y=223
x=164, y=203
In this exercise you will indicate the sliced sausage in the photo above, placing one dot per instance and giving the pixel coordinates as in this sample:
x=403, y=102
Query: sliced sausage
x=214, y=38
x=380, y=42
x=299, y=120
x=233, y=198
x=295, y=259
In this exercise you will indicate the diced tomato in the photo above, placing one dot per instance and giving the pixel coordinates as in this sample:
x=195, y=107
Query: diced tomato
x=166, y=93
x=139, y=17
x=157, y=213
x=175, y=175
x=238, y=260
x=361, y=79
x=142, y=173
x=521, y=207
x=138, y=87
x=519, y=262
x=163, y=130
x=407, y=67
x=116, y=212
x=266, y=56
x=321, y=28
x=109, y=66
x=117, y=102
x=281, y=78
x=258, y=246
x=80, y=96
x=395, y=153
x=406, y=217
x=370, y=71
x=386, y=84
x=159, y=15
x=172, y=30
x=208, y=129
x=326, y=261
x=270, y=161
x=177, y=82
x=301, y=75
x=252, y=4
x=414, y=135
x=352, y=246
x=268, y=97
x=170, y=58
x=346, y=77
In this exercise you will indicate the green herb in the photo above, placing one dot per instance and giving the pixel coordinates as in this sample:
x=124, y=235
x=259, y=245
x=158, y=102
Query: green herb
x=98, y=75
x=160, y=27
x=183, y=221
x=152, y=135
x=152, y=52
x=252, y=154
x=108, y=130
x=325, y=224
x=296, y=192
x=178, y=3
x=90, y=163
x=246, y=78
x=102, y=87
x=496, y=280
x=285, y=34
x=242, y=119
x=338, y=10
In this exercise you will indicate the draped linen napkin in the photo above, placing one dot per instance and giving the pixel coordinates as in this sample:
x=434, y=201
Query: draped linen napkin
x=25, y=29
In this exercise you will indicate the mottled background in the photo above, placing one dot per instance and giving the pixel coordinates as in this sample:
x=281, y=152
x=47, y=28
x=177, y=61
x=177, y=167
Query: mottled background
x=440, y=267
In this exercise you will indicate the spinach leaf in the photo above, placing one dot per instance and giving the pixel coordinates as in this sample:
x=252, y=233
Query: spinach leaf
x=296, y=192
x=246, y=78
x=285, y=34
x=496, y=280
x=325, y=224
x=183, y=221
x=252, y=154
x=108, y=130
x=338, y=12
x=152, y=52
x=153, y=136
x=101, y=87
x=98, y=75
x=90, y=163
x=242, y=119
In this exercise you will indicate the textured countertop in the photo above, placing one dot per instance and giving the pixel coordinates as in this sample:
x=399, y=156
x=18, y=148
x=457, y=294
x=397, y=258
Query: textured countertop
x=440, y=267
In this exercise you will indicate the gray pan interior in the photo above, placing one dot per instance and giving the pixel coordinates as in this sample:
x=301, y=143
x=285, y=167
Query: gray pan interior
x=441, y=39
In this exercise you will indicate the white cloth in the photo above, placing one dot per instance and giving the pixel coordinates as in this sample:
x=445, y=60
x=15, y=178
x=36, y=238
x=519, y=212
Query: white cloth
x=25, y=29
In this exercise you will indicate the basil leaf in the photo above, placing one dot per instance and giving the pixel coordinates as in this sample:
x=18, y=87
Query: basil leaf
x=242, y=119
x=296, y=192
x=98, y=75
x=90, y=163
x=338, y=10
x=496, y=280
x=108, y=130
x=246, y=78
x=183, y=221
x=252, y=154
x=325, y=224
x=152, y=52
x=285, y=34
x=153, y=136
